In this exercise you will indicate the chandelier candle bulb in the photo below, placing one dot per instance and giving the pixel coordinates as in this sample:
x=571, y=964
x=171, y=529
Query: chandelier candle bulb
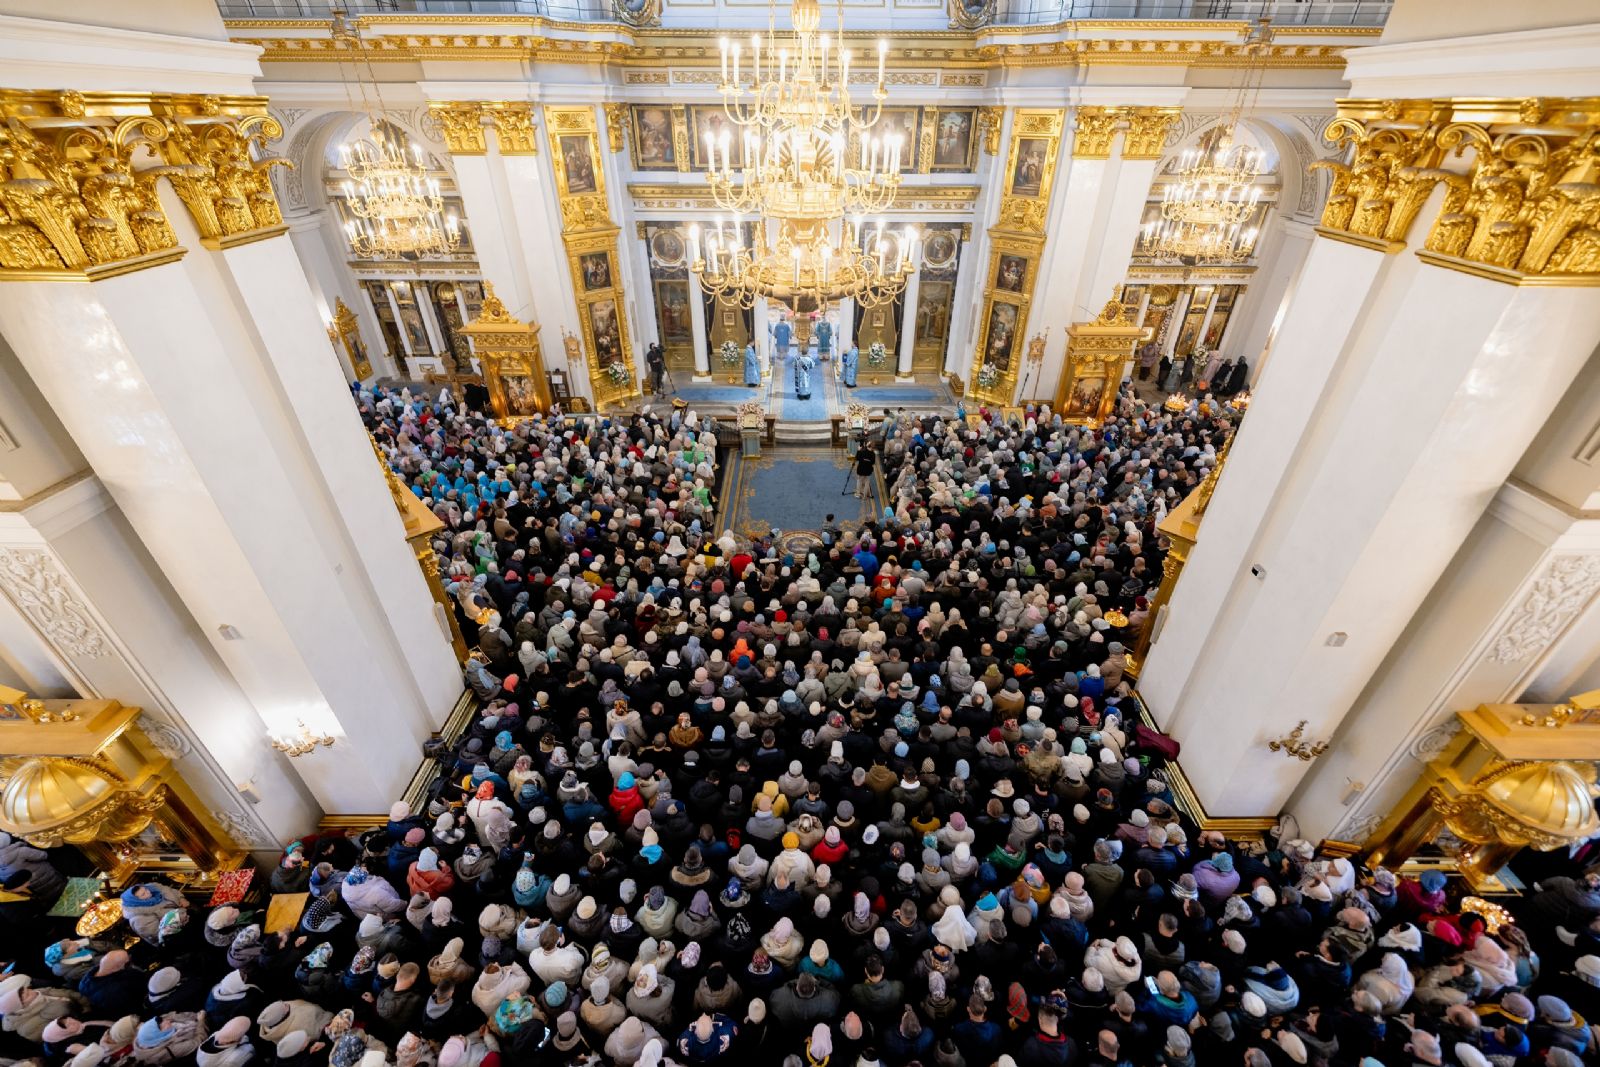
x=883, y=54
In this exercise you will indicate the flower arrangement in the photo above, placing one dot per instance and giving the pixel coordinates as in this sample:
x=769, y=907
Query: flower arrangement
x=988, y=375
x=618, y=373
x=877, y=355
x=729, y=353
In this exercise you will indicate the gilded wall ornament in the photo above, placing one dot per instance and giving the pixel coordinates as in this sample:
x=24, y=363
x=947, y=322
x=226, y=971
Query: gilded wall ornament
x=990, y=120
x=617, y=119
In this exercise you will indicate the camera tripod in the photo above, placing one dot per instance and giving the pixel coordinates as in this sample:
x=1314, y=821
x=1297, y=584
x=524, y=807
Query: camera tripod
x=667, y=385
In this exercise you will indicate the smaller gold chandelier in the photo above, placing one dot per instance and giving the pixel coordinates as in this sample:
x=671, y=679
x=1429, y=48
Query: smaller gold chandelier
x=398, y=209
x=1297, y=746
x=1189, y=242
x=302, y=743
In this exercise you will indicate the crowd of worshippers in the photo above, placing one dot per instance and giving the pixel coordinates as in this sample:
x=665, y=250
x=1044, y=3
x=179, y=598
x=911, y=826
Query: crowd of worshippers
x=881, y=801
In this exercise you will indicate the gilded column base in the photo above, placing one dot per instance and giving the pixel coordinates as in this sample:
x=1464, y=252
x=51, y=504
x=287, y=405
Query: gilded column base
x=1375, y=244
x=98, y=272
x=248, y=237
x=1508, y=275
x=1236, y=827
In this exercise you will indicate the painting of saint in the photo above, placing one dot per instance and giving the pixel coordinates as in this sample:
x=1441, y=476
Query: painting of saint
x=1010, y=273
x=894, y=122
x=652, y=138
x=672, y=311
x=714, y=121
x=1084, y=400
x=607, y=337
x=939, y=249
x=1028, y=177
x=952, y=141
x=666, y=247
x=521, y=399
x=596, y=269
x=933, y=313
x=1002, y=334
x=578, y=164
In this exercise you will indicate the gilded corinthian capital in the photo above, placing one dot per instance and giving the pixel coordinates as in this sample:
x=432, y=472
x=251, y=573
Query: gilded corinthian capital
x=1146, y=136
x=1096, y=126
x=1522, y=181
x=1378, y=192
x=78, y=174
x=1530, y=202
x=461, y=122
x=218, y=168
x=513, y=124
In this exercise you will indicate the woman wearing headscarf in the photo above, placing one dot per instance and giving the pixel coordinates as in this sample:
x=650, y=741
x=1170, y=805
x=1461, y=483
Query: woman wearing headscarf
x=1390, y=984
x=366, y=895
x=429, y=877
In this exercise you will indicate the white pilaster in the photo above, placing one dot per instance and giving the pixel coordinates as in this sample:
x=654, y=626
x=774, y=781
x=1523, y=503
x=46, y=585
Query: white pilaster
x=224, y=494
x=908, y=327
x=1180, y=310
x=697, y=324
x=73, y=572
x=1423, y=420
x=1271, y=288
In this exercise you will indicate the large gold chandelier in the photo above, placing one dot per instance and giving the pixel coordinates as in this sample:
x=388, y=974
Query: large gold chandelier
x=1206, y=212
x=1197, y=243
x=395, y=209
x=807, y=166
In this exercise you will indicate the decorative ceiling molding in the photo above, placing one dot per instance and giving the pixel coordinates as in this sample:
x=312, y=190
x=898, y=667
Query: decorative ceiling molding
x=699, y=49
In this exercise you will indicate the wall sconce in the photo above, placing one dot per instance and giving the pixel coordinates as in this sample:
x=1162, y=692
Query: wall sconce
x=302, y=743
x=1297, y=746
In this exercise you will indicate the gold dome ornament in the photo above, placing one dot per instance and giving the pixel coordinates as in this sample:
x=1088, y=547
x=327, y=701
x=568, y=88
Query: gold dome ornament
x=50, y=801
x=1554, y=799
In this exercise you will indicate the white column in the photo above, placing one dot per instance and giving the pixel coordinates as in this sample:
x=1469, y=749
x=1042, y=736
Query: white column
x=958, y=350
x=1095, y=217
x=1516, y=616
x=1144, y=306
x=1419, y=423
x=224, y=494
x=485, y=199
x=322, y=253
x=73, y=571
x=1205, y=322
x=697, y=324
x=908, y=328
x=847, y=323
x=760, y=321
x=1271, y=288
x=268, y=282
x=1517, y=588
x=1180, y=311
x=430, y=322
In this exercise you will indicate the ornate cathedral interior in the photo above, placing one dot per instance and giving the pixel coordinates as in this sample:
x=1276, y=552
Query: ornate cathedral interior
x=1030, y=533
